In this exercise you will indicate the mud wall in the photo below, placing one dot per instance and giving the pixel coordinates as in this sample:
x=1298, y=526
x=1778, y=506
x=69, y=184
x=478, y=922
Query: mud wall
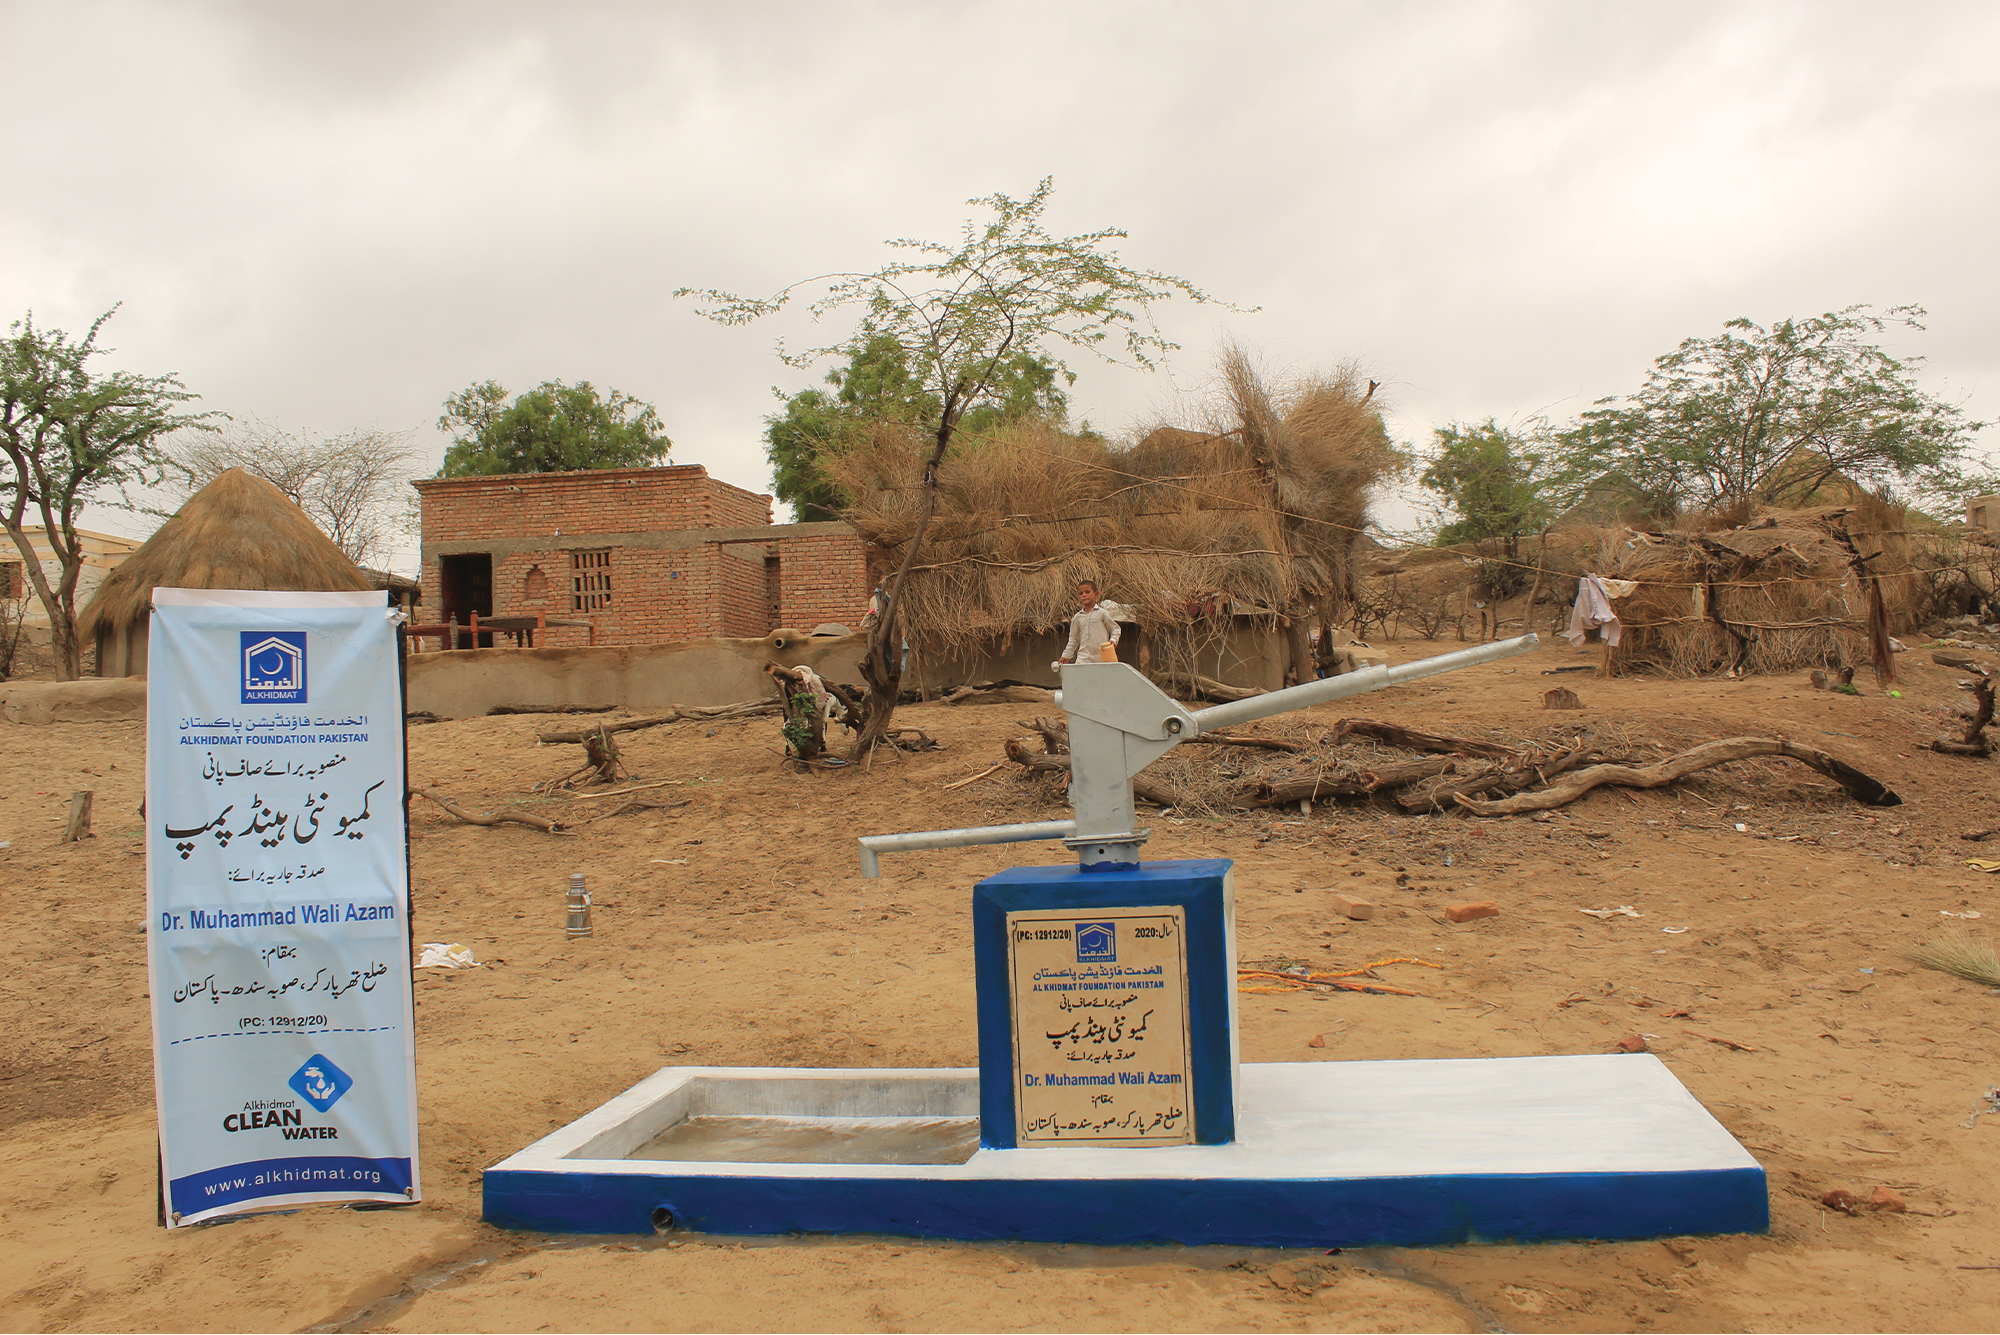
x=468, y=683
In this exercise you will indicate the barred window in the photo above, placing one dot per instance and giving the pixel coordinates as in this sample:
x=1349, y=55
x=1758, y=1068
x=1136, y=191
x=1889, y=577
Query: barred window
x=590, y=580
x=12, y=583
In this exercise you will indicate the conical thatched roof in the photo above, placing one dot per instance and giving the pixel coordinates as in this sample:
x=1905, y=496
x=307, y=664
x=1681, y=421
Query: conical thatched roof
x=238, y=532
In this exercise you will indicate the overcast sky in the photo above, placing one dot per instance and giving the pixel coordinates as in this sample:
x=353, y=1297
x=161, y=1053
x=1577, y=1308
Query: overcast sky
x=331, y=216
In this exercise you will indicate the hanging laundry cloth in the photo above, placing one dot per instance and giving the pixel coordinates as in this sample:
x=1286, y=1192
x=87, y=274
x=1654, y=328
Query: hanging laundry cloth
x=1593, y=608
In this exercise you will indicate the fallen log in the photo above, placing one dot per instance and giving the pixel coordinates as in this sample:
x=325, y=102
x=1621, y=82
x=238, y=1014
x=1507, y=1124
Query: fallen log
x=1146, y=790
x=1973, y=742
x=504, y=816
x=1284, y=792
x=1511, y=779
x=1858, y=785
x=1411, y=739
x=1402, y=773
x=676, y=714
x=641, y=804
x=999, y=693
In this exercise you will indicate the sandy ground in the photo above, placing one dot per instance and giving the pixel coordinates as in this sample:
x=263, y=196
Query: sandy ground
x=736, y=930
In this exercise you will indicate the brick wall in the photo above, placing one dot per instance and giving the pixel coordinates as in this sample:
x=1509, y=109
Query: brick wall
x=656, y=595
x=742, y=608
x=605, y=500
x=666, y=583
x=822, y=578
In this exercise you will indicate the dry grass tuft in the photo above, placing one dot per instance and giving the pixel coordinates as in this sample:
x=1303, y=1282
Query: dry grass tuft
x=1957, y=952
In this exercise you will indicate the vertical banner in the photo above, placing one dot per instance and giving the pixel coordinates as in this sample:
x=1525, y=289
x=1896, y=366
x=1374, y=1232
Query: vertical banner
x=277, y=902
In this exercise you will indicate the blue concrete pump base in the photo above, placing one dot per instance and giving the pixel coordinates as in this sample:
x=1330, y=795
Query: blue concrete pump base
x=1327, y=1154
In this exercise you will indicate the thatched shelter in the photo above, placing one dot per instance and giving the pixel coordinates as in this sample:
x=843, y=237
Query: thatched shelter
x=1788, y=590
x=238, y=532
x=1254, y=515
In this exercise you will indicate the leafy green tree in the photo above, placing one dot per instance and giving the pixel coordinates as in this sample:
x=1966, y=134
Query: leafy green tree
x=1770, y=415
x=552, y=428
x=877, y=384
x=67, y=434
x=960, y=313
x=1494, y=479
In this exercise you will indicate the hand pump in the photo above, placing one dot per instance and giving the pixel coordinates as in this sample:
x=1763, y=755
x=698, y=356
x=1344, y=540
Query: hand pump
x=1119, y=723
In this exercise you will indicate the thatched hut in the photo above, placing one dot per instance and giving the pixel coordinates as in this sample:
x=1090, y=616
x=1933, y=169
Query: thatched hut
x=1791, y=589
x=1251, y=519
x=238, y=532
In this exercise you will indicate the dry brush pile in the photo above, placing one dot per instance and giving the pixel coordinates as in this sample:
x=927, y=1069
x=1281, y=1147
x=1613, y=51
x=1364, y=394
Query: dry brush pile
x=1256, y=512
x=1370, y=760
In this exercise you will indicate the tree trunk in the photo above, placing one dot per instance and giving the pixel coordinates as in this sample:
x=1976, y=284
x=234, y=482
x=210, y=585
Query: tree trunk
x=58, y=601
x=1541, y=562
x=882, y=665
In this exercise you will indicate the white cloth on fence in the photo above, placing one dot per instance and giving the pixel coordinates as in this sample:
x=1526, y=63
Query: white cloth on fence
x=1593, y=609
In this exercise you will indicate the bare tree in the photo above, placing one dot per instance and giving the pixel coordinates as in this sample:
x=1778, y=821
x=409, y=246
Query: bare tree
x=351, y=485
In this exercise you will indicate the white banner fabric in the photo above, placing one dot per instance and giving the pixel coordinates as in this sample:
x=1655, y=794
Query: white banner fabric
x=278, y=902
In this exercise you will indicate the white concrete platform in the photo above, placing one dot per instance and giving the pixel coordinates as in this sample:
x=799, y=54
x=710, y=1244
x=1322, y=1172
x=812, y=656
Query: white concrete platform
x=1327, y=1154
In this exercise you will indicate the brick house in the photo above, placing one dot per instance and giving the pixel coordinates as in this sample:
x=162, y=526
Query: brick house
x=644, y=554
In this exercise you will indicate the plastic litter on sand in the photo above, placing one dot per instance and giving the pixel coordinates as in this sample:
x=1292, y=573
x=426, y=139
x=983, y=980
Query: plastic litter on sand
x=446, y=955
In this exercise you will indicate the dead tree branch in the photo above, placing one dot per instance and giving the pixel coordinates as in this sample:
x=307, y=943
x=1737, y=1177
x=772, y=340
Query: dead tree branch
x=676, y=714
x=1524, y=773
x=1207, y=686
x=504, y=816
x=1858, y=785
x=1973, y=742
x=1410, y=739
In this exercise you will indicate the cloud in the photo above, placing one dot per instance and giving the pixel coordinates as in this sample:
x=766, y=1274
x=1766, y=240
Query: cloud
x=332, y=216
